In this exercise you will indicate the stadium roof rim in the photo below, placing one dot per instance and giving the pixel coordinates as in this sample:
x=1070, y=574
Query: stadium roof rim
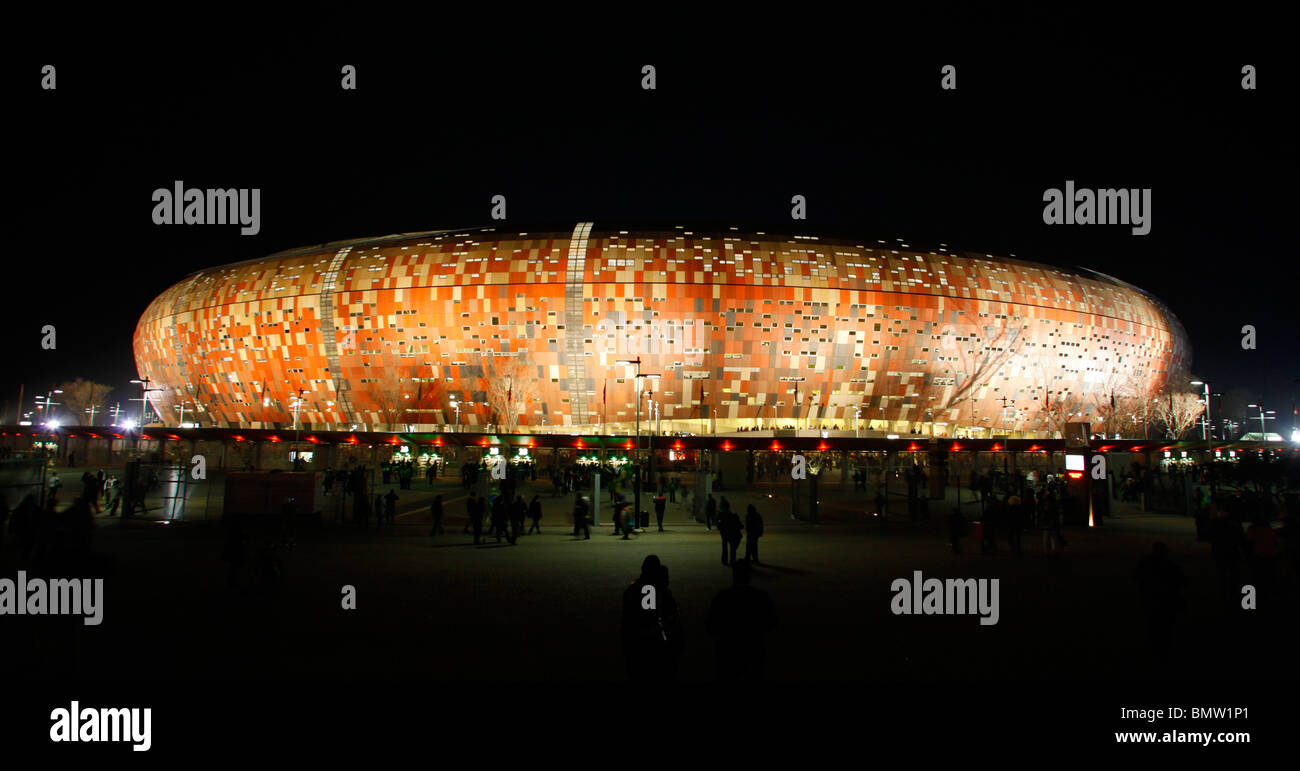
x=828, y=234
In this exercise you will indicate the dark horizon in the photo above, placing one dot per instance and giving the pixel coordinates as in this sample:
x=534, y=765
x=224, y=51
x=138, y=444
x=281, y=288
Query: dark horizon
x=873, y=143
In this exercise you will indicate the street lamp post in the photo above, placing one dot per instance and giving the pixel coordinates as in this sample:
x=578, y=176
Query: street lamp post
x=181, y=420
x=49, y=404
x=1263, y=430
x=297, y=428
x=636, y=515
x=1205, y=421
x=145, y=390
x=796, y=381
x=704, y=414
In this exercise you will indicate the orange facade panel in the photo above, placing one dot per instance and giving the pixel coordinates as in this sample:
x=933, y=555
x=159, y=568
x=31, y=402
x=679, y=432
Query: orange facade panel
x=527, y=329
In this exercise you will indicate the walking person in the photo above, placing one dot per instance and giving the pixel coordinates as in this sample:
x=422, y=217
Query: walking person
x=710, y=512
x=1160, y=588
x=518, y=513
x=500, y=518
x=475, y=506
x=580, y=518
x=1014, y=523
x=1261, y=540
x=753, y=532
x=56, y=484
x=729, y=528
x=621, y=523
x=649, y=612
x=435, y=509
x=535, y=514
x=390, y=508
x=1227, y=545
x=660, y=504
x=956, y=529
x=739, y=618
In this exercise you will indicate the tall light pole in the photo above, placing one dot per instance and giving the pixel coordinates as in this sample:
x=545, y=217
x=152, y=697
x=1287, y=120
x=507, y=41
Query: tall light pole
x=1263, y=431
x=1205, y=422
x=49, y=404
x=704, y=412
x=297, y=427
x=181, y=419
x=796, y=381
x=636, y=515
x=145, y=390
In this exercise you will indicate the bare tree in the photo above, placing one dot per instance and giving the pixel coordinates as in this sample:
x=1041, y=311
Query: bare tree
x=511, y=386
x=977, y=362
x=387, y=393
x=1060, y=408
x=1119, y=395
x=80, y=396
x=1177, y=412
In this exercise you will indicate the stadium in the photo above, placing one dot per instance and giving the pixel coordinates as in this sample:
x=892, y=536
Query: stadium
x=718, y=331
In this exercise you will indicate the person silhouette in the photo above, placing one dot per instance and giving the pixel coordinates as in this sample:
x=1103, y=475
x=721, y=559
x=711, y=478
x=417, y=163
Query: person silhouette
x=753, y=531
x=435, y=509
x=535, y=514
x=730, y=530
x=1227, y=545
x=390, y=507
x=1160, y=589
x=649, y=610
x=738, y=620
x=1261, y=540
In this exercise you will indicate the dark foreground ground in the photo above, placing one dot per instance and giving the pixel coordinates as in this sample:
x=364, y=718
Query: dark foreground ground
x=548, y=608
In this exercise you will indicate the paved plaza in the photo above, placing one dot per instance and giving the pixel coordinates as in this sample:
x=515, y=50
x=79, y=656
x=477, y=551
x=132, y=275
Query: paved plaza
x=548, y=608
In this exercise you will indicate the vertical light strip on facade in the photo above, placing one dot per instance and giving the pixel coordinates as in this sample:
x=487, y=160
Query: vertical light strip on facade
x=182, y=361
x=575, y=286
x=329, y=334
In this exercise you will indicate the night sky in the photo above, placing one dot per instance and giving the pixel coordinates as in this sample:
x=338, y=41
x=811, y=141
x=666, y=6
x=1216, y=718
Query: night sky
x=549, y=112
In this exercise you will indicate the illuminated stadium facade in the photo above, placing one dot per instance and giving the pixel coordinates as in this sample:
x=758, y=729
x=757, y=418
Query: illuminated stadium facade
x=524, y=331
